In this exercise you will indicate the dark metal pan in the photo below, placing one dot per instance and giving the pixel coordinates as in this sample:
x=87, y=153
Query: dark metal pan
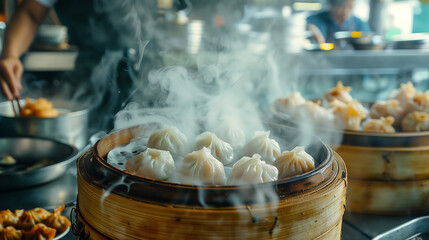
x=38, y=160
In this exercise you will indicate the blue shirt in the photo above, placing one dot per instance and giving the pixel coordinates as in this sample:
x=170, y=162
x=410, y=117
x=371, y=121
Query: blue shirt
x=328, y=26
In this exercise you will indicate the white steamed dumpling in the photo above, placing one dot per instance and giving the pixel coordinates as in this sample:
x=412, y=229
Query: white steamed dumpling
x=252, y=170
x=294, y=162
x=152, y=163
x=200, y=167
x=232, y=134
x=169, y=139
x=261, y=144
x=221, y=150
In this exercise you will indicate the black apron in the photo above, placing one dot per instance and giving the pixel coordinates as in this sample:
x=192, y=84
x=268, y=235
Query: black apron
x=106, y=32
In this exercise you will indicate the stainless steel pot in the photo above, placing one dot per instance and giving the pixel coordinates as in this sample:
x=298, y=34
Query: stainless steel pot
x=71, y=126
x=29, y=151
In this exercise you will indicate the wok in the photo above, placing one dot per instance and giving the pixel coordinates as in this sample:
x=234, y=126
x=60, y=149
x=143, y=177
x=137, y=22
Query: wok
x=38, y=160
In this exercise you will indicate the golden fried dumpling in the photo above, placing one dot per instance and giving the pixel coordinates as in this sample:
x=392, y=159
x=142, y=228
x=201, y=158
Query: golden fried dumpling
x=232, y=133
x=40, y=232
x=404, y=94
x=339, y=92
x=252, y=170
x=221, y=150
x=10, y=233
x=41, y=107
x=294, y=162
x=383, y=125
x=261, y=144
x=169, y=139
x=152, y=163
x=9, y=218
x=290, y=104
x=415, y=122
x=56, y=221
x=200, y=167
x=387, y=108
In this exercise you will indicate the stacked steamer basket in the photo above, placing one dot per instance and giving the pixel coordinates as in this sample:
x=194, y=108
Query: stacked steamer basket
x=113, y=204
x=388, y=172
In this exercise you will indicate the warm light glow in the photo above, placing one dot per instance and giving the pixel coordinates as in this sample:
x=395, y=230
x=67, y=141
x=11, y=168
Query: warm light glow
x=326, y=46
x=307, y=6
x=356, y=34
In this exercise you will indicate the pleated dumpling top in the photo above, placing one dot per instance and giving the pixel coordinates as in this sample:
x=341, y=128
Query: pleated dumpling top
x=294, y=162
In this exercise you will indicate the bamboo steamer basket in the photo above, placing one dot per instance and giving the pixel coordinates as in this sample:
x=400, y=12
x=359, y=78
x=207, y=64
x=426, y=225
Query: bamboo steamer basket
x=388, y=172
x=113, y=204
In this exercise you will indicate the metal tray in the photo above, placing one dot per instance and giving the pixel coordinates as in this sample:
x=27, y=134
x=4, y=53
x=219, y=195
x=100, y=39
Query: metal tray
x=416, y=229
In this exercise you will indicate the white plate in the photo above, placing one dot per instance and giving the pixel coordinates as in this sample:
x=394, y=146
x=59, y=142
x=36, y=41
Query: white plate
x=62, y=234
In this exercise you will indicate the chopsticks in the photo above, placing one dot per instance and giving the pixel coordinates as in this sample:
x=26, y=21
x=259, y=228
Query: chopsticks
x=17, y=113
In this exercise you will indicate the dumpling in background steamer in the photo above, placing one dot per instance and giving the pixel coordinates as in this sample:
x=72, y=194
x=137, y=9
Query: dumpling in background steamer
x=152, y=163
x=221, y=150
x=420, y=102
x=252, y=170
x=351, y=114
x=340, y=92
x=232, y=133
x=294, y=162
x=404, y=94
x=383, y=125
x=415, y=122
x=289, y=104
x=200, y=167
x=261, y=144
x=387, y=108
x=314, y=112
x=169, y=139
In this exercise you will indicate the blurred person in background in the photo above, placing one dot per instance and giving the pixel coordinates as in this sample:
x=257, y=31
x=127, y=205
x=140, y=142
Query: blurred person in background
x=339, y=17
x=105, y=32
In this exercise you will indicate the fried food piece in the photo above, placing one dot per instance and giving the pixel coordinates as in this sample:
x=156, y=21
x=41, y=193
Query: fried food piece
x=41, y=107
x=57, y=221
x=10, y=233
x=8, y=218
x=39, y=232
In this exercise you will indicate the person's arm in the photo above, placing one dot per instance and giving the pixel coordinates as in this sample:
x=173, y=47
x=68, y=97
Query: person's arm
x=316, y=34
x=19, y=34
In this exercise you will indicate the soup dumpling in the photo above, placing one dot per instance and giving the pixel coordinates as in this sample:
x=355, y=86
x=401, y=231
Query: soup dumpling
x=221, y=150
x=383, y=125
x=252, y=170
x=294, y=162
x=200, y=167
x=169, y=139
x=404, y=94
x=415, y=122
x=232, y=133
x=289, y=104
x=340, y=92
x=152, y=163
x=261, y=144
x=387, y=108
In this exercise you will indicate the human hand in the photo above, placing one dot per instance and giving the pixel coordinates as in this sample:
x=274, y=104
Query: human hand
x=317, y=35
x=10, y=77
